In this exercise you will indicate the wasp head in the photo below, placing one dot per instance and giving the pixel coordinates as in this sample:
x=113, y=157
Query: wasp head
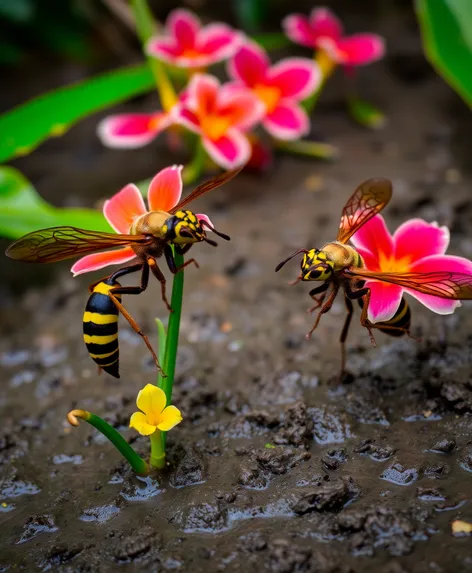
x=184, y=228
x=316, y=266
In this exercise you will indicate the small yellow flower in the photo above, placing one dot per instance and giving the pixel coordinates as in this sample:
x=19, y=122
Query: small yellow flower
x=152, y=401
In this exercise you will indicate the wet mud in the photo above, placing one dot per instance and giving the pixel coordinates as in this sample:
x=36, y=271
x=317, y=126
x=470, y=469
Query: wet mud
x=278, y=466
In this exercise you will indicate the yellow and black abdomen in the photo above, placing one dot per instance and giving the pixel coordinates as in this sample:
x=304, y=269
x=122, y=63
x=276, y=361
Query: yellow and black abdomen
x=399, y=324
x=101, y=327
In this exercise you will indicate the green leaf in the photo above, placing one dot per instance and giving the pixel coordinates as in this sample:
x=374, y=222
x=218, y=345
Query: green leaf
x=446, y=27
x=366, y=114
x=22, y=210
x=272, y=41
x=24, y=127
x=17, y=10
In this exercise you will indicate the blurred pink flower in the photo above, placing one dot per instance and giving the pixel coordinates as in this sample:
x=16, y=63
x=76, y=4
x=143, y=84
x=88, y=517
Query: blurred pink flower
x=188, y=44
x=125, y=207
x=324, y=31
x=132, y=130
x=279, y=87
x=220, y=114
x=416, y=247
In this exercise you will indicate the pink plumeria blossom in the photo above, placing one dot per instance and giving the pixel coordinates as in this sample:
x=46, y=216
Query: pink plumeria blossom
x=132, y=130
x=280, y=88
x=188, y=44
x=416, y=247
x=220, y=115
x=125, y=207
x=324, y=31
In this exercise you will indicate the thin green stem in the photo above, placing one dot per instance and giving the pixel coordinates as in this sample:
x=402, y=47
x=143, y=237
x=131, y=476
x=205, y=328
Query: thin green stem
x=158, y=452
x=134, y=460
x=193, y=170
x=162, y=341
x=306, y=148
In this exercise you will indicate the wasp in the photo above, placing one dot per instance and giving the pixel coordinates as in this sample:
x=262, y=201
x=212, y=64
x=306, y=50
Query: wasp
x=338, y=265
x=152, y=235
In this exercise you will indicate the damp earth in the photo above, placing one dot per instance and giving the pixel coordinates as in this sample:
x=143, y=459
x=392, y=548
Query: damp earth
x=279, y=465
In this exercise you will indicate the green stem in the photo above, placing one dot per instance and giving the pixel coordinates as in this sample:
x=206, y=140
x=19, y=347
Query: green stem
x=194, y=169
x=134, y=460
x=158, y=453
x=308, y=148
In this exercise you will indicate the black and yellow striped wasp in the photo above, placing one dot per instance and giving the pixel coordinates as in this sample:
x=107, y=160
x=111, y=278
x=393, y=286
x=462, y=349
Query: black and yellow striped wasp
x=152, y=235
x=338, y=265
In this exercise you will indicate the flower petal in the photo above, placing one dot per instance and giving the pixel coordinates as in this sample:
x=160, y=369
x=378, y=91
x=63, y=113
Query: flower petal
x=186, y=117
x=384, y=301
x=218, y=40
x=152, y=401
x=295, y=77
x=183, y=26
x=249, y=65
x=297, y=27
x=242, y=108
x=123, y=208
x=287, y=121
x=417, y=238
x=229, y=151
x=98, y=261
x=131, y=130
x=138, y=422
x=359, y=50
x=170, y=417
x=324, y=23
x=165, y=189
x=374, y=238
x=164, y=49
x=440, y=263
x=202, y=94
x=205, y=219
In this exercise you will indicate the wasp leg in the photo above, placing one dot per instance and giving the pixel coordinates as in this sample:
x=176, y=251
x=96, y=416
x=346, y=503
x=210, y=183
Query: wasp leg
x=324, y=309
x=318, y=299
x=156, y=271
x=171, y=261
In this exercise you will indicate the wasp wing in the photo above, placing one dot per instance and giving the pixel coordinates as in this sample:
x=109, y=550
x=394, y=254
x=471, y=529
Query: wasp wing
x=59, y=243
x=366, y=201
x=205, y=187
x=444, y=284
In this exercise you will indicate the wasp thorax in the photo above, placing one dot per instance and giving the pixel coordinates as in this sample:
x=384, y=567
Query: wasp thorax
x=183, y=228
x=316, y=266
x=152, y=223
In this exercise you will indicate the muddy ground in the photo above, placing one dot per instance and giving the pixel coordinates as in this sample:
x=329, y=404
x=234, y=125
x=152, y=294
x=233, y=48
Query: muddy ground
x=361, y=476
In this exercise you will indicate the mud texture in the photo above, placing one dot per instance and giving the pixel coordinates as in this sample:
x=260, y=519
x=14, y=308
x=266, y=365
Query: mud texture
x=278, y=466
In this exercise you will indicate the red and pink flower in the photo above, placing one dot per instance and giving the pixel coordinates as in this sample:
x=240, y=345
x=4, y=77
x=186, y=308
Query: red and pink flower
x=132, y=130
x=324, y=31
x=188, y=44
x=416, y=246
x=220, y=115
x=125, y=207
x=280, y=88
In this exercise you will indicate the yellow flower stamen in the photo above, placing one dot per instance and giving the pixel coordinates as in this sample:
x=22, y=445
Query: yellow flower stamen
x=269, y=95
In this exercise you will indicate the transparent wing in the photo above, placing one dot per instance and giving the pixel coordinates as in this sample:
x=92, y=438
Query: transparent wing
x=444, y=284
x=59, y=243
x=205, y=187
x=366, y=201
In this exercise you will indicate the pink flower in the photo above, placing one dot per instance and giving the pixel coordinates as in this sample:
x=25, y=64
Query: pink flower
x=280, y=88
x=416, y=247
x=132, y=130
x=323, y=31
x=220, y=115
x=187, y=44
x=125, y=207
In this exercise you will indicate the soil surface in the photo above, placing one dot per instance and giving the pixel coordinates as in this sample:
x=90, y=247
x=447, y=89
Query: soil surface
x=278, y=466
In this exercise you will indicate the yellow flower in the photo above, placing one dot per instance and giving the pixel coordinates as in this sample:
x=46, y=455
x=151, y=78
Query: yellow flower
x=152, y=401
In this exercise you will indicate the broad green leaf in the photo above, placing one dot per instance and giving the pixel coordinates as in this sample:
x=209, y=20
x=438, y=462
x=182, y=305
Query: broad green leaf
x=24, y=127
x=17, y=10
x=446, y=27
x=22, y=210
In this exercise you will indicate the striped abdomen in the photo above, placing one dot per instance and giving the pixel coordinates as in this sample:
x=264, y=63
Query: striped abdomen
x=400, y=321
x=101, y=328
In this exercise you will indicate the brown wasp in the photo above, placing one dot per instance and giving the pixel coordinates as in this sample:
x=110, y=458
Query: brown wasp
x=152, y=235
x=338, y=265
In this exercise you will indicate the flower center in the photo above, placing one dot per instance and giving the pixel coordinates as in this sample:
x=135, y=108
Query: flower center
x=191, y=53
x=215, y=126
x=391, y=264
x=269, y=95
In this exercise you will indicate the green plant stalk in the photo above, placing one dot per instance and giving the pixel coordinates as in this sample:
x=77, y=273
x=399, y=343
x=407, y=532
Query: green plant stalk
x=193, y=170
x=134, y=460
x=306, y=148
x=145, y=28
x=158, y=452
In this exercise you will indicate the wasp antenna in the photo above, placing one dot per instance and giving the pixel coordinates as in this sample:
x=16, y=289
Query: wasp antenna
x=280, y=265
x=222, y=235
x=210, y=242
